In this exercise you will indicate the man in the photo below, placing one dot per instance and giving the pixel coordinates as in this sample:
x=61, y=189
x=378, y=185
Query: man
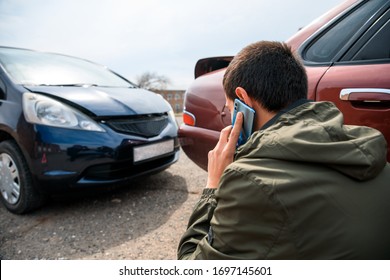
x=304, y=186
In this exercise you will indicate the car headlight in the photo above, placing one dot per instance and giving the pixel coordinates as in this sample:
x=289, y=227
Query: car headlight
x=44, y=110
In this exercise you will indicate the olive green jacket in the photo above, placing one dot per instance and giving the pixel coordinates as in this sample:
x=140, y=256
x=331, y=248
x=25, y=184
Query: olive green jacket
x=305, y=187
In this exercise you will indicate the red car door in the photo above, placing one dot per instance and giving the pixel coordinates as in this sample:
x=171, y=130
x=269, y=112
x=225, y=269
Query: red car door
x=364, y=97
x=359, y=83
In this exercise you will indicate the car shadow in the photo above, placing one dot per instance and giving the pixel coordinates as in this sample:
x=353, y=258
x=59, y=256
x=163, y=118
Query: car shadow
x=79, y=225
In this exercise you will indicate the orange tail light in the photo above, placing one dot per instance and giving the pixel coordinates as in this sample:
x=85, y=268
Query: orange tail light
x=188, y=118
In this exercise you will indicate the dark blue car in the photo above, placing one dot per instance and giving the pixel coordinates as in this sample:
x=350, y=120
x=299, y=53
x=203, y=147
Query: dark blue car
x=67, y=122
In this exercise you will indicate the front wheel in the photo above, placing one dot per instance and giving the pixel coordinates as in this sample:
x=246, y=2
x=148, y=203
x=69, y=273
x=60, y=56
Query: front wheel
x=16, y=185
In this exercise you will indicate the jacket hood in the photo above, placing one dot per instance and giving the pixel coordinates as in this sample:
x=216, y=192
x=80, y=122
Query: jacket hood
x=314, y=133
x=106, y=101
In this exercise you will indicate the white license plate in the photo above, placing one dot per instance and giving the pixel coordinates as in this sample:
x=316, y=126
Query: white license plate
x=151, y=151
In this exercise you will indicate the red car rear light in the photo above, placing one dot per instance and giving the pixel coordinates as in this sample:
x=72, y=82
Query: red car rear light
x=188, y=118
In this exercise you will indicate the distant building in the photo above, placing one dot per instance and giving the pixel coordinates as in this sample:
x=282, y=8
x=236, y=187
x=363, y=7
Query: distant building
x=174, y=97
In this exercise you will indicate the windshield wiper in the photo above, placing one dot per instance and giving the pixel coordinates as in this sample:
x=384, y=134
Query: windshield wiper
x=62, y=85
x=72, y=85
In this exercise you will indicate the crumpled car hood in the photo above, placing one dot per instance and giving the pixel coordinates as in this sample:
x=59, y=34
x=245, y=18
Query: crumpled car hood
x=105, y=101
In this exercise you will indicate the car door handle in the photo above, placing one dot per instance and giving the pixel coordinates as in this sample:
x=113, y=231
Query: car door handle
x=365, y=94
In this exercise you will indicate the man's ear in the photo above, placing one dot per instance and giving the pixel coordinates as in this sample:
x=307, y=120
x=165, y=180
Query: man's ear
x=243, y=95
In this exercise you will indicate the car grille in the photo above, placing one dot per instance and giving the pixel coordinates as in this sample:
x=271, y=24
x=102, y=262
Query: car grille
x=146, y=126
x=126, y=169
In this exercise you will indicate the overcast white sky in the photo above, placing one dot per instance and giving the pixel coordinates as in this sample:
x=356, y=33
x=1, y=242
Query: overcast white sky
x=166, y=37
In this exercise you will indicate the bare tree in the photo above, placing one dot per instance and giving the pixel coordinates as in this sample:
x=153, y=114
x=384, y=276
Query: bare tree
x=152, y=81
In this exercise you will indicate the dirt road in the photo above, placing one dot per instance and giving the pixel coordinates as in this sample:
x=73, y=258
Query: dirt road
x=142, y=221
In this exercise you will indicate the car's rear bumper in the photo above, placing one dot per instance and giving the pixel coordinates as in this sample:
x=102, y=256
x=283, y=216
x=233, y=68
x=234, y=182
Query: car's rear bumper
x=196, y=142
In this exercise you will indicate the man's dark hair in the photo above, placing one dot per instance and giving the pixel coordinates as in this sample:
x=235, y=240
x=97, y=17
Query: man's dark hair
x=270, y=72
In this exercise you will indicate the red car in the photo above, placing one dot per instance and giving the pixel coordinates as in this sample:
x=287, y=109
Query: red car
x=346, y=53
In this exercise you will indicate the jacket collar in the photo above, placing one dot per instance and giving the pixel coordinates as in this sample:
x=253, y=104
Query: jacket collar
x=285, y=110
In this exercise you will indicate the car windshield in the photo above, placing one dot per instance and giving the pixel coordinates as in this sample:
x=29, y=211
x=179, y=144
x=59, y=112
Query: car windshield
x=36, y=68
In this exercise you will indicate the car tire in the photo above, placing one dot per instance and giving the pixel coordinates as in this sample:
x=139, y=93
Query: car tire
x=18, y=193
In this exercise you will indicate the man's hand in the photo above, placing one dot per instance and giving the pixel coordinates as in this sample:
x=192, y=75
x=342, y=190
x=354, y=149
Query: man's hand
x=223, y=153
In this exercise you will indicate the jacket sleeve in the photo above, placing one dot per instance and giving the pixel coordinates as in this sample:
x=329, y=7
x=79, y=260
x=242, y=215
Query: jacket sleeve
x=245, y=224
x=198, y=225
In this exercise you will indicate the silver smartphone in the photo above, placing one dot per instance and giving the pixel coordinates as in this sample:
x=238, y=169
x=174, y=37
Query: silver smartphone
x=247, y=126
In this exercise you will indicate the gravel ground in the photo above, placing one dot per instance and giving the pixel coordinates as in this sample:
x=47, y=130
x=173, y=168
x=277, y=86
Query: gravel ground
x=141, y=222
